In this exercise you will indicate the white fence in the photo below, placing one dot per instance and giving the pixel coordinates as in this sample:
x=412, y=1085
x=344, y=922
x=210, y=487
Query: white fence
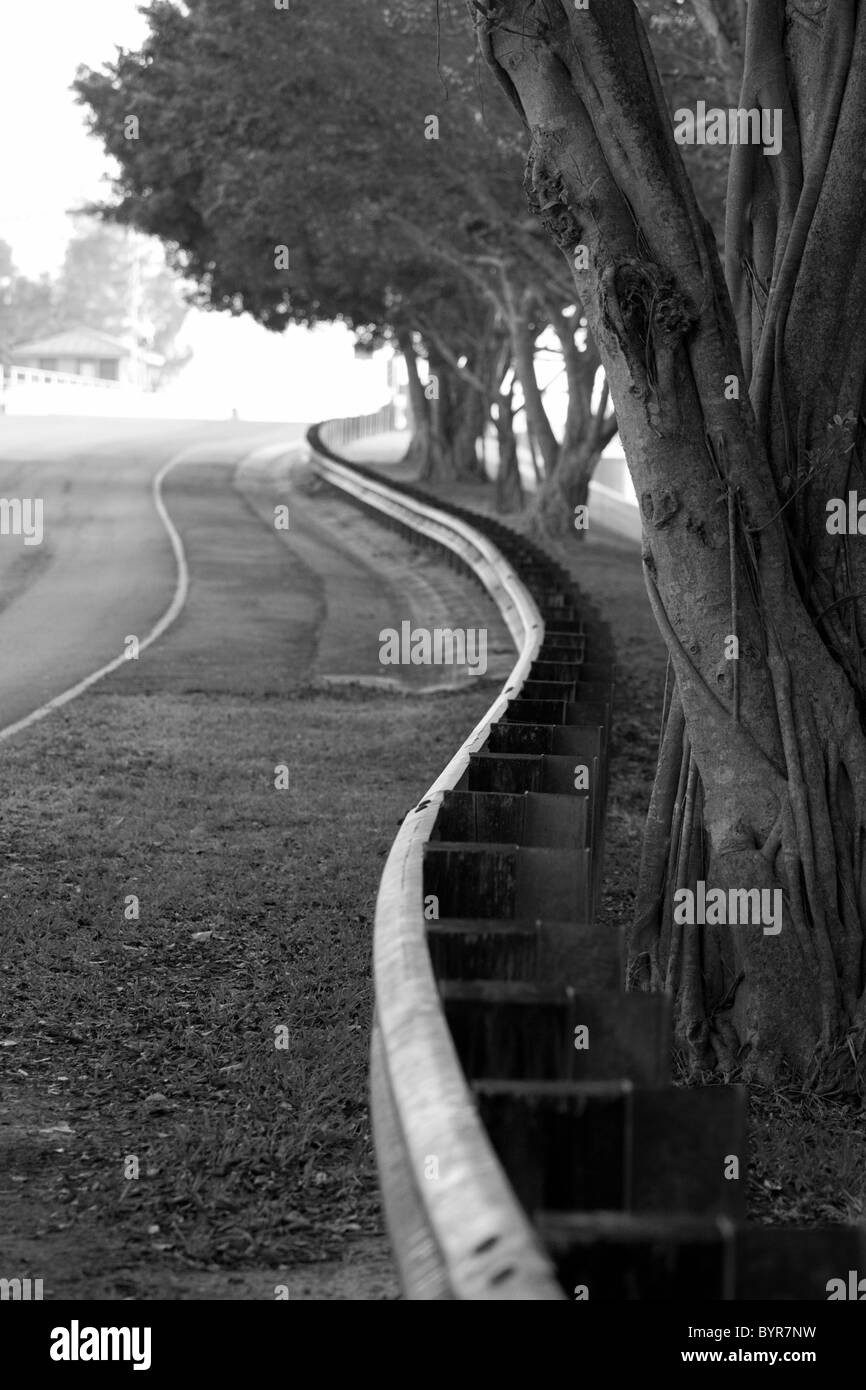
x=338, y=433
x=29, y=391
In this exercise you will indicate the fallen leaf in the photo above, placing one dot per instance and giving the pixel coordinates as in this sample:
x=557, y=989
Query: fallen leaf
x=157, y=1103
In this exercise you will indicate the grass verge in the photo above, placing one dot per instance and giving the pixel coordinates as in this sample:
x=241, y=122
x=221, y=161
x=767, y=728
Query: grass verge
x=165, y=911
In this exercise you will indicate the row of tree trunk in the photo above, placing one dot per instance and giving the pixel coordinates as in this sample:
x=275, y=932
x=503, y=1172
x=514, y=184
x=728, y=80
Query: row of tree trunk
x=454, y=403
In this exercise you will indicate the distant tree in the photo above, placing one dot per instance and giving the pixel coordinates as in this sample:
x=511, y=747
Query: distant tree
x=117, y=281
x=111, y=279
x=27, y=307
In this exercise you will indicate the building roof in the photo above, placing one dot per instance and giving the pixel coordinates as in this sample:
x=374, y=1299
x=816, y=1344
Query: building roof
x=81, y=342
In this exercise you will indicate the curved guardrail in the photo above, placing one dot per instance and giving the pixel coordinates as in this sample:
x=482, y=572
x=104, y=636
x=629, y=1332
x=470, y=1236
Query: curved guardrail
x=529, y=1141
x=461, y=1234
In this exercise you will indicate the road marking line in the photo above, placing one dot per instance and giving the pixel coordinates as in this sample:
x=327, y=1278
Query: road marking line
x=168, y=617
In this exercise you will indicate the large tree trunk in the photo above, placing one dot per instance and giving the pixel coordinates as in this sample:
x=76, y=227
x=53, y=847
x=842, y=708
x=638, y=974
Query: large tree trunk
x=420, y=445
x=471, y=412
x=445, y=420
x=762, y=774
x=523, y=355
x=509, y=488
x=440, y=464
x=533, y=453
x=553, y=512
x=584, y=437
x=455, y=424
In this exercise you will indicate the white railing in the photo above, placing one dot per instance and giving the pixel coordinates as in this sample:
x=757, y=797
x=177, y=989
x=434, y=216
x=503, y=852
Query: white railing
x=336, y=434
x=35, y=376
x=32, y=391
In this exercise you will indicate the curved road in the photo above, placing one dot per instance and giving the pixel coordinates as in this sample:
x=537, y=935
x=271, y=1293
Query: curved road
x=105, y=567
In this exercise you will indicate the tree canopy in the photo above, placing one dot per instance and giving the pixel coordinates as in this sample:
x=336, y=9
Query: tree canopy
x=302, y=177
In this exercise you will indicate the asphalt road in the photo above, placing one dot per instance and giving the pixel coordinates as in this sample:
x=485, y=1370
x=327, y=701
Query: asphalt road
x=104, y=568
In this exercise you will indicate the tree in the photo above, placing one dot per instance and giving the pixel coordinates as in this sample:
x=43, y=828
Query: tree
x=723, y=24
x=698, y=49
x=26, y=306
x=497, y=253
x=271, y=156
x=338, y=150
x=258, y=130
x=117, y=281
x=111, y=280
x=740, y=407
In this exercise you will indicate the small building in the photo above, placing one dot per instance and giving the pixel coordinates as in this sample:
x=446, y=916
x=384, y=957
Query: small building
x=89, y=353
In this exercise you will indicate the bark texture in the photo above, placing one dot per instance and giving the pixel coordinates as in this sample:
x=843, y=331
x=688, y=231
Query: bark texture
x=740, y=415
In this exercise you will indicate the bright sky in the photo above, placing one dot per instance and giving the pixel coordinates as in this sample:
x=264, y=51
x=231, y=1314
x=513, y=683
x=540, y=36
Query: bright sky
x=50, y=165
x=47, y=162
